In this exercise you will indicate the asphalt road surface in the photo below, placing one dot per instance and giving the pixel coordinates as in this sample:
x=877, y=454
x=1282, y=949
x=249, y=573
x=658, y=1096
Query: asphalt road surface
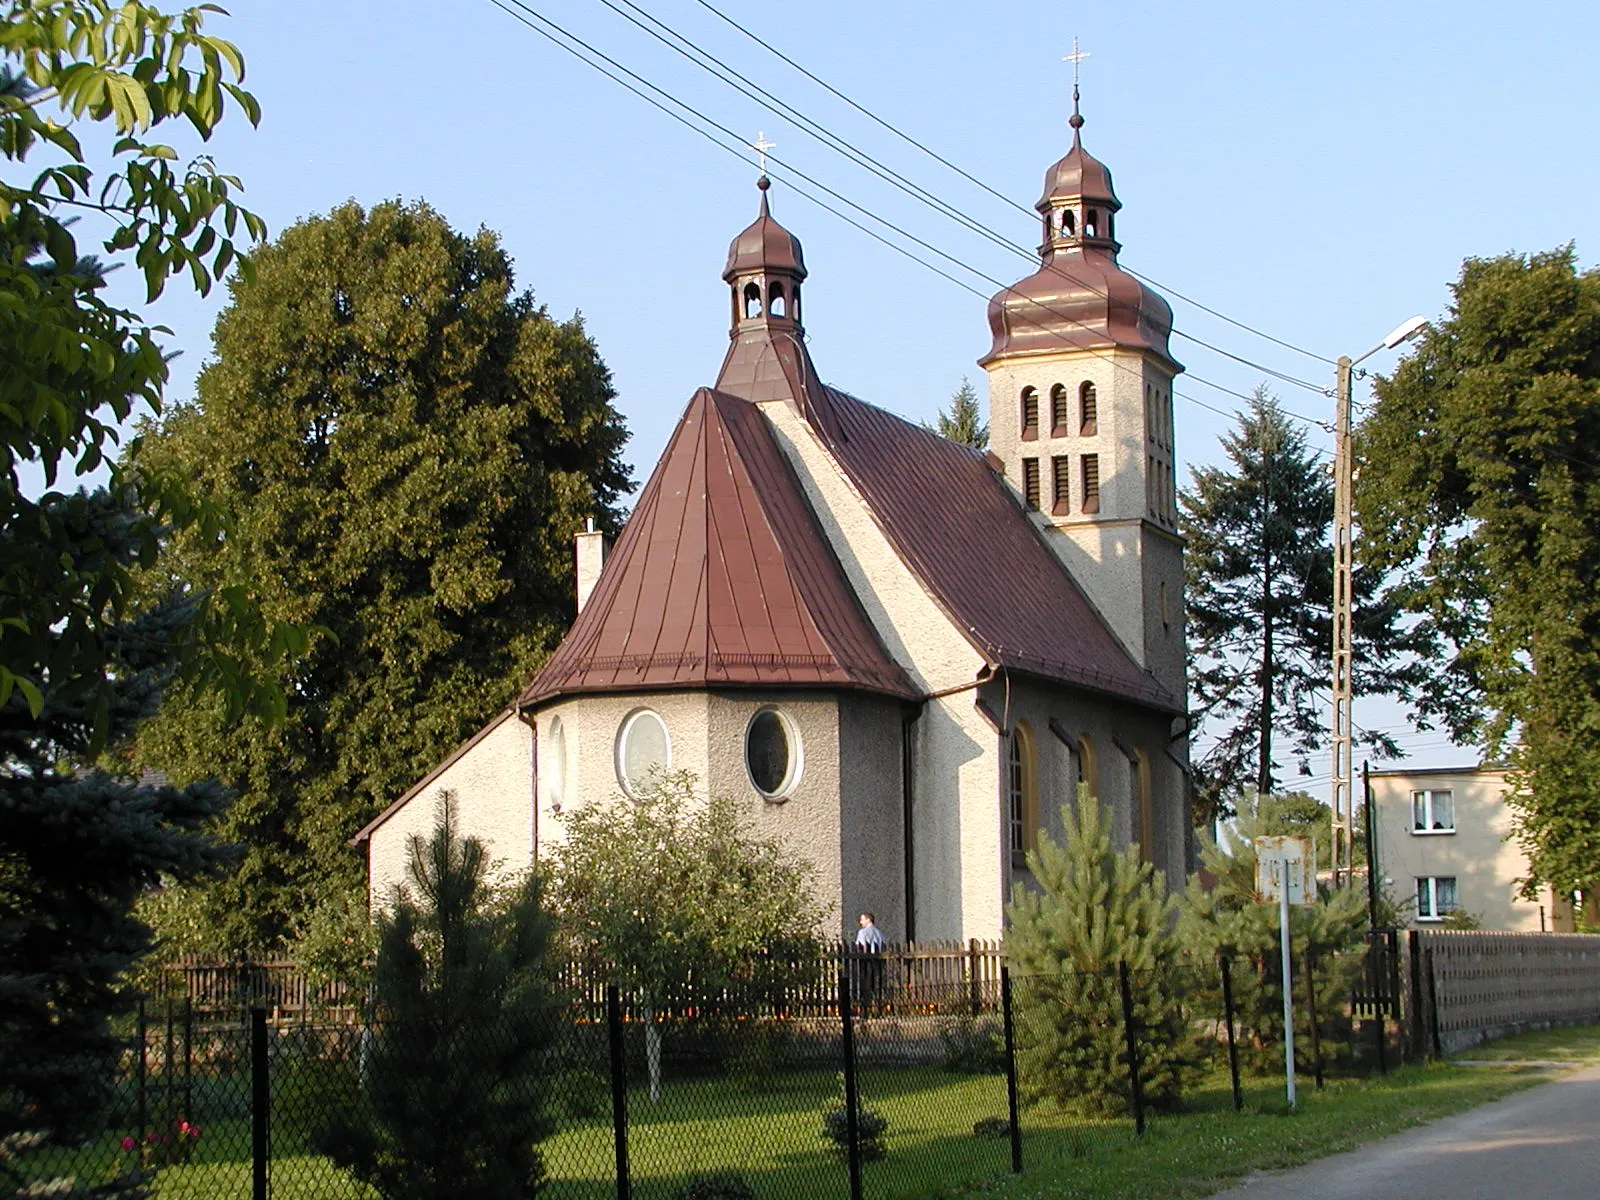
x=1541, y=1144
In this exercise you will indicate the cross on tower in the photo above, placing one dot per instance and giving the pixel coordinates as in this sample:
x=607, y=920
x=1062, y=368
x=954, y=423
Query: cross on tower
x=761, y=146
x=1076, y=57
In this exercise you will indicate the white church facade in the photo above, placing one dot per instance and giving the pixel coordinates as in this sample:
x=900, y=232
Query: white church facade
x=900, y=655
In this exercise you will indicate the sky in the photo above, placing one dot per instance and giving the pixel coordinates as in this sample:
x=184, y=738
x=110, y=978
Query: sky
x=1317, y=173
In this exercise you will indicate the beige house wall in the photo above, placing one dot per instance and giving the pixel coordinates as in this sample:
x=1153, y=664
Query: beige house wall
x=1486, y=862
x=492, y=783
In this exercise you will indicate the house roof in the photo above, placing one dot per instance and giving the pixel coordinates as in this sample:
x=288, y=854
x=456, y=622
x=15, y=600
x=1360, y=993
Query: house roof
x=722, y=577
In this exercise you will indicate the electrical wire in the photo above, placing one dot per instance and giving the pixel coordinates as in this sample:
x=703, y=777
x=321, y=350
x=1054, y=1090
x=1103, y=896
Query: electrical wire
x=1002, y=197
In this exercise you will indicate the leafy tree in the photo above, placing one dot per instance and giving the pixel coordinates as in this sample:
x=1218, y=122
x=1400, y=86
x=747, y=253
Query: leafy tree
x=408, y=445
x=1480, y=479
x=453, y=1086
x=1225, y=920
x=1096, y=908
x=1259, y=568
x=668, y=892
x=963, y=421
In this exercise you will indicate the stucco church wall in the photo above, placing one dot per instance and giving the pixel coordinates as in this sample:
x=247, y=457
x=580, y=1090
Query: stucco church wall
x=872, y=797
x=492, y=783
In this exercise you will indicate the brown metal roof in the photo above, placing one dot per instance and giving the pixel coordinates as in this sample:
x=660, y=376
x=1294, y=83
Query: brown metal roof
x=721, y=577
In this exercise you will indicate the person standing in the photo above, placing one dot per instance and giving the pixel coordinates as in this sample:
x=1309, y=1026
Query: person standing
x=869, y=961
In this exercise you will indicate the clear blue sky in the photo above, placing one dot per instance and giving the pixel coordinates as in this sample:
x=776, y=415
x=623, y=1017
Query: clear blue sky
x=1316, y=171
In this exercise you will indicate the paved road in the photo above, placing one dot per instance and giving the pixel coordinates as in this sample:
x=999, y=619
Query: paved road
x=1542, y=1144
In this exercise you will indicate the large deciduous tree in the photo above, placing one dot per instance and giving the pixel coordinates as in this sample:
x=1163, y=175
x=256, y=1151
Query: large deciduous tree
x=1480, y=476
x=1259, y=568
x=408, y=444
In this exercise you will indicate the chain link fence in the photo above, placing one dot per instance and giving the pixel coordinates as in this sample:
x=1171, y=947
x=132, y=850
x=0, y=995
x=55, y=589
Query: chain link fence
x=880, y=1090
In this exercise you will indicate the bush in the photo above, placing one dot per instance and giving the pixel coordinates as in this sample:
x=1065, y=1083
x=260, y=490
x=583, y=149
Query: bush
x=584, y=1094
x=974, y=1046
x=870, y=1128
x=758, y=1053
x=720, y=1185
x=992, y=1127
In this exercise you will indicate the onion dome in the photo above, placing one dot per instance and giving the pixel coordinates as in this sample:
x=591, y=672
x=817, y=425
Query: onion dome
x=1079, y=298
x=765, y=247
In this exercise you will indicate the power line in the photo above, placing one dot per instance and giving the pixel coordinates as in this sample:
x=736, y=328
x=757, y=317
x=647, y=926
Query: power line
x=940, y=159
x=686, y=48
x=554, y=33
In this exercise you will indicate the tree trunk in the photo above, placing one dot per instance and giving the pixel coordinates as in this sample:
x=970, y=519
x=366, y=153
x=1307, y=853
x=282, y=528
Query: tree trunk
x=652, y=1053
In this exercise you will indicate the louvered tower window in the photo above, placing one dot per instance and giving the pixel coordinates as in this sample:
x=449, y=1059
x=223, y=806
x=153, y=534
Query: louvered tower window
x=1030, y=483
x=1061, y=485
x=1091, y=483
x=1030, y=413
x=1088, y=409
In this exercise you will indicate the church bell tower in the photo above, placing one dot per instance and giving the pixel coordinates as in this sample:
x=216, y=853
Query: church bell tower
x=1080, y=412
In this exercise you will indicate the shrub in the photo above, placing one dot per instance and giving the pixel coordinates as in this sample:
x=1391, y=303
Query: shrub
x=870, y=1128
x=974, y=1046
x=992, y=1127
x=584, y=1094
x=720, y=1185
x=758, y=1054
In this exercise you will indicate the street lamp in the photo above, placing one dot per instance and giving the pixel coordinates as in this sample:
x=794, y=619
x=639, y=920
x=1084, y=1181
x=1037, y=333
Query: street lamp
x=1343, y=477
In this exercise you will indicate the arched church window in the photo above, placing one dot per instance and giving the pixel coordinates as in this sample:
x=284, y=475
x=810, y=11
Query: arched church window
x=643, y=752
x=752, y=299
x=1068, y=223
x=1030, y=413
x=1022, y=805
x=553, y=765
x=1144, y=806
x=1088, y=409
x=772, y=753
x=1091, y=223
x=1088, y=767
x=775, y=300
x=1058, y=411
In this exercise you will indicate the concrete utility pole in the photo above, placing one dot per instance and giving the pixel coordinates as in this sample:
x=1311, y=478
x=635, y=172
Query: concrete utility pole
x=1343, y=601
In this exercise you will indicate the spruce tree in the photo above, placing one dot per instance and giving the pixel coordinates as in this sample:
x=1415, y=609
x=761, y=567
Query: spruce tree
x=963, y=421
x=1093, y=909
x=453, y=1089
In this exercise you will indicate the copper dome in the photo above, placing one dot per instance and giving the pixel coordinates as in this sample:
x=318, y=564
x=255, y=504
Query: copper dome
x=1079, y=299
x=764, y=246
x=1078, y=174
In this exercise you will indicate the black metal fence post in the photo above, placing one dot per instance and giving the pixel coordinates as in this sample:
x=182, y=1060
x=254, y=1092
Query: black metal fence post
x=169, y=1076
x=1381, y=1002
x=1233, y=1048
x=1311, y=1014
x=852, y=1099
x=188, y=1059
x=260, y=1105
x=1414, y=1040
x=1011, y=1070
x=1433, y=1005
x=619, y=1089
x=1136, y=1086
x=141, y=1088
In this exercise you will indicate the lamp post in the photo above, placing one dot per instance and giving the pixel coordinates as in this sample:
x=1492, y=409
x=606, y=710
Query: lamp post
x=1343, y=478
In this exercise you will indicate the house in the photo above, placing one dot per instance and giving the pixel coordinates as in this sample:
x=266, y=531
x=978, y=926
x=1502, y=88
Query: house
x=1444, y=844
x=900, y=655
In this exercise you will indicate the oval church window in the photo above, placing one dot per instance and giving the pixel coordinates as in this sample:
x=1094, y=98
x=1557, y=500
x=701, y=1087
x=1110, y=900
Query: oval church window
x=644, y=752
x=772, y=753
x=553, y=764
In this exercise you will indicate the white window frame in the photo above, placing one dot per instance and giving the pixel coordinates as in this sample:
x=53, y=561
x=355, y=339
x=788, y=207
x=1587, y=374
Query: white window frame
x=797, y=760
x=620, y=750
x=1435, y=912
x=1426, y=795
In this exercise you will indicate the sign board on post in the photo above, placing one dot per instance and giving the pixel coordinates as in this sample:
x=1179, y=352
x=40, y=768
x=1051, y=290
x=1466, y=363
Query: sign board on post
x=1290, y=862
x=1286, y=871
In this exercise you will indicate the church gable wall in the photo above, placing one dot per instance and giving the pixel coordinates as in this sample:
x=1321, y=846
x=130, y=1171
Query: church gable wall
x=492, y=784
x=872, y=805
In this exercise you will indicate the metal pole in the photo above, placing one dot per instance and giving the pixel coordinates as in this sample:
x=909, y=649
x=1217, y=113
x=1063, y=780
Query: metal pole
x=619, y=1089
x=1288, y=989
x=1135, y=1084
x=260, y=1104
x=852, y=1097
x=1011, y=1070
x=1233, y=1049
x=1343, y=479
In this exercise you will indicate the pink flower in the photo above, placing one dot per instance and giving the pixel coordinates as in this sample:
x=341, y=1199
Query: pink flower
x=152, y=1137
x=128, y=1143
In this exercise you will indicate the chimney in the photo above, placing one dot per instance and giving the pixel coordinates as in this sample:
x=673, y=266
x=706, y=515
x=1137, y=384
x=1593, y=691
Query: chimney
x=591, y=558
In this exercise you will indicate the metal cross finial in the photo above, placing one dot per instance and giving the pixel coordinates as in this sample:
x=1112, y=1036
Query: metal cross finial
x=1076, y=57
x=761, y=146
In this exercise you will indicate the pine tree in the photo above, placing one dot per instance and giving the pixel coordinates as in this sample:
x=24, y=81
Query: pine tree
x=407, y=445
x=453, y=1089
x=964, y=422
x=1259, y=588
x=1093, y=910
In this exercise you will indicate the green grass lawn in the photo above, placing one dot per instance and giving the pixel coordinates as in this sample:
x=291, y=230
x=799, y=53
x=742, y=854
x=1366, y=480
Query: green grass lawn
x=770, y=1135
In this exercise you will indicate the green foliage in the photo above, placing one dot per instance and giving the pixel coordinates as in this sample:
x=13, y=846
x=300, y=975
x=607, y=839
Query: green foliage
x=870, y=1128
x=1258, y=600
x=963, y=420
x=760, y=1048
x=1228, y=922
x=1480, y=480
x=1095, y=908
x=974, y=1046
x=453, y=1087
x=409, y=445
x=721, y=1185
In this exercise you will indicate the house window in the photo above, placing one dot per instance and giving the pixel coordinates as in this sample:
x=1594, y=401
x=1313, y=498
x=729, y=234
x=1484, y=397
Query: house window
x=1021, y=799
x=1058, y=411
x=1436, y=897
x=1061, y=484
x=1433, y=811
x=1030, y=413
x=1030, y=483
x=772, y=754
x=643, y=752
x=1088, y=409
x=1091, y=483
x=553, y=764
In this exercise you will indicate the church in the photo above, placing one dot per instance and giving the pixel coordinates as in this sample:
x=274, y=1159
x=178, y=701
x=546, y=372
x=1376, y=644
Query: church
x=900, y=655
